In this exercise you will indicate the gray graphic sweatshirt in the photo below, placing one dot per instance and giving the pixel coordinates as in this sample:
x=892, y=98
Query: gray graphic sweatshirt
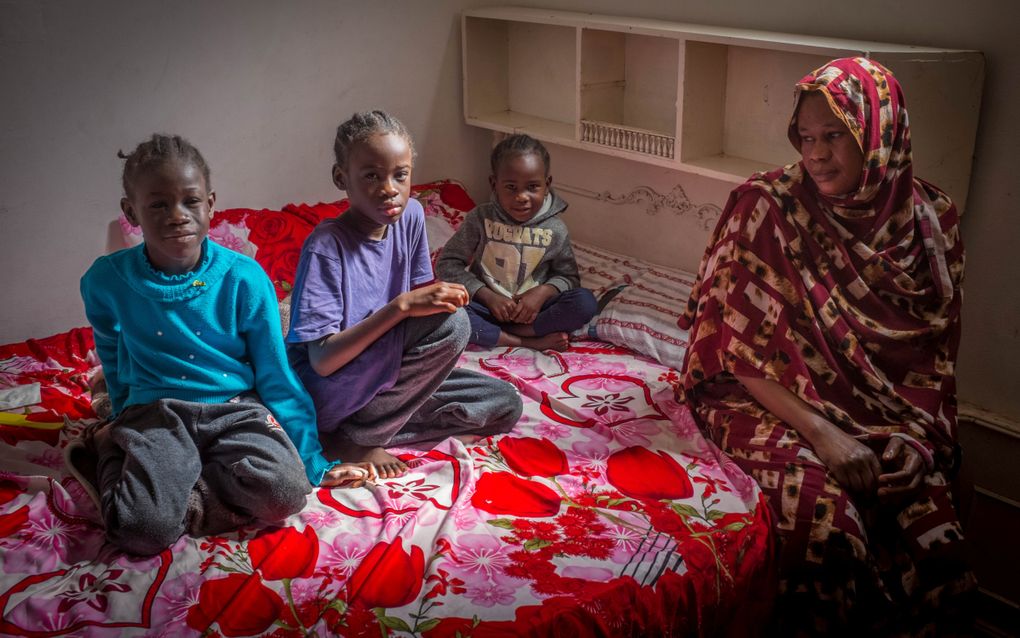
x=492, y=249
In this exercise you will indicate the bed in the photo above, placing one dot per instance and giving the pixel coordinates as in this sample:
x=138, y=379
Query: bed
x=605, y=512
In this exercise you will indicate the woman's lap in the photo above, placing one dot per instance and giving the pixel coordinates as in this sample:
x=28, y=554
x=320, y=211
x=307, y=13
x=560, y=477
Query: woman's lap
x=837, y=554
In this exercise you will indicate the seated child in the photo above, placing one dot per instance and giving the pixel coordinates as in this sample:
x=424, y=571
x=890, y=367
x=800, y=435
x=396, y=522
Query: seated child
x=514, y=257
x=189, y=336
x=374, y=349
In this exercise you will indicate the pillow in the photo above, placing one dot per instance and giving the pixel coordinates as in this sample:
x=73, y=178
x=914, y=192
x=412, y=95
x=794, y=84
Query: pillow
x=445, y=203
x=639, y=303
x=271, y=237
x=643, y=315
x=285, y=315
x=274, y=238
x=227, y=228
x=603, y=270
x=604, y=273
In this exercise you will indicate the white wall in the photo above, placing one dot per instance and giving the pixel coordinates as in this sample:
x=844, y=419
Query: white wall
x=989, y=370
x=258, y=86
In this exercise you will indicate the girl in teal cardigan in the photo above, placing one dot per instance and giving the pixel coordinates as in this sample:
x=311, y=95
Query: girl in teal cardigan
x=210, y=427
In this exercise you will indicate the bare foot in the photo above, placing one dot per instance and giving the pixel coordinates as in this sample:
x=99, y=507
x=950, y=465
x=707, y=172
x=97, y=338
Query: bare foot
x=559, y=341
x=520, y=329
x=349, y=475
x=386, y=465
x=467, y=439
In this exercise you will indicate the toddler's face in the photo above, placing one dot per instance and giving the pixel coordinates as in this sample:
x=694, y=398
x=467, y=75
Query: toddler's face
x=520, y=185
x=172, y=204
x=377, y=178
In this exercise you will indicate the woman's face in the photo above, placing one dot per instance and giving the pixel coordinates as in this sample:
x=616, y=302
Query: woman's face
x=831, y=155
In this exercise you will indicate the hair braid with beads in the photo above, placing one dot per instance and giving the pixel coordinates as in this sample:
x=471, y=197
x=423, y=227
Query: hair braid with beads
x=161, y=149
x=361, y=126
x=519, y=144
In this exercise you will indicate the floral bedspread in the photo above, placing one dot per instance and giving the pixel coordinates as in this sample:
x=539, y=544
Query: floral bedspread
x=605, y=512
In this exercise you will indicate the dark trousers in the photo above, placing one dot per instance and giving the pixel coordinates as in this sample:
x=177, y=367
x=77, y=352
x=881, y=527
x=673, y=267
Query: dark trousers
x=432, y=399
x=170, y=467
x=565, y=312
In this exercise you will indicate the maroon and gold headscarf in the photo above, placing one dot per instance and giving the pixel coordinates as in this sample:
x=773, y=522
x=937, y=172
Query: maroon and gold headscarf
x=852, y=303
x=868, y=99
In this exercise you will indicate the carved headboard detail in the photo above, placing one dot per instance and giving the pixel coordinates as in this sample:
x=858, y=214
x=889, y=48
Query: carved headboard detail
x=676, y=201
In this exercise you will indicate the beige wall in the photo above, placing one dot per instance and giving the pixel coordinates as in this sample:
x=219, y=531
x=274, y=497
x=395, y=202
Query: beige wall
x=260, y=85
x=989, y=368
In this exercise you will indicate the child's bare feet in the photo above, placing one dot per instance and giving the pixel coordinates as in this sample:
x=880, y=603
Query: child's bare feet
x=559, y=341
x=467, y=439
x=520, y=329
x=386, y=465
x=349, y=475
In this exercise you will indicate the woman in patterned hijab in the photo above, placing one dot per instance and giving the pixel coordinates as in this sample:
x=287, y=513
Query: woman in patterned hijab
x=824, y=330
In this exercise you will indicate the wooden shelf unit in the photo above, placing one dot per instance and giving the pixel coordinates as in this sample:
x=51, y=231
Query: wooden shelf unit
x=708, y=100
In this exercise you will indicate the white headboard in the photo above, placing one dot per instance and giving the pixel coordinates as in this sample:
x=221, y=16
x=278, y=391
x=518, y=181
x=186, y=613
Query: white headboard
x=660, y=215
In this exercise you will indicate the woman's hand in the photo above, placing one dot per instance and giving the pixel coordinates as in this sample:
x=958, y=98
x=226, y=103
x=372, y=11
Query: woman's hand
x=349, y=475
x=853, y=464
x=905, y=472
x=432, y=299
x=502, y=308
x=530, y=303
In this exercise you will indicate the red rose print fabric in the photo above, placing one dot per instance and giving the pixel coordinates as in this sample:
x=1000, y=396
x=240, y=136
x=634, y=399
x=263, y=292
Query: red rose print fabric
x=604, y=512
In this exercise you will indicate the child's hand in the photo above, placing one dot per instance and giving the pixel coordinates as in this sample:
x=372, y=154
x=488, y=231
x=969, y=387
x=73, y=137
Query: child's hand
x=502, y=308
x=433, y=299
x=530, y=303
x=349, y=475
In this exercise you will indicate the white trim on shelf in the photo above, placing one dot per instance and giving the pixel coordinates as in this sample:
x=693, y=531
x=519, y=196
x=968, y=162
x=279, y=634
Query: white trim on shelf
x=705, y=33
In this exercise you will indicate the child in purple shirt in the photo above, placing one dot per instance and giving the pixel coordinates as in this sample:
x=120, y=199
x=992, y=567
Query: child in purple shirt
x=375, y=346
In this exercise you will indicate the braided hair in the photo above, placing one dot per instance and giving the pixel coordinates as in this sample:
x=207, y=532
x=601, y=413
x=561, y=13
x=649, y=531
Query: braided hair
x=161, y=149
x=519, y=144
x=361, y=126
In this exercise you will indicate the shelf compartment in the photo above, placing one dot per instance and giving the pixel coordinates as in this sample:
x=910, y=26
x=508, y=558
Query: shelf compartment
x=618, y=86
x=735, y=102
x=513, y=122
x=630, y=80
x=628, y=138
x=521, y=74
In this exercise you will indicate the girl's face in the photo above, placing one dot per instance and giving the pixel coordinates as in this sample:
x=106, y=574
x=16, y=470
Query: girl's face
x=172, y=204
x=377, y=179
x=831, y=155
x=520, y=185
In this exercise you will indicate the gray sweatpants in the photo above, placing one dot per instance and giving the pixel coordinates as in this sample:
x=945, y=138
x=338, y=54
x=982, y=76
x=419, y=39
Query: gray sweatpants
x=432, y=399
x=170, y=467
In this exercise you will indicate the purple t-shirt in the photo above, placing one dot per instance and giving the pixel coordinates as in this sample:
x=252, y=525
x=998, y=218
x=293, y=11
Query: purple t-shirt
x=342, y=278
